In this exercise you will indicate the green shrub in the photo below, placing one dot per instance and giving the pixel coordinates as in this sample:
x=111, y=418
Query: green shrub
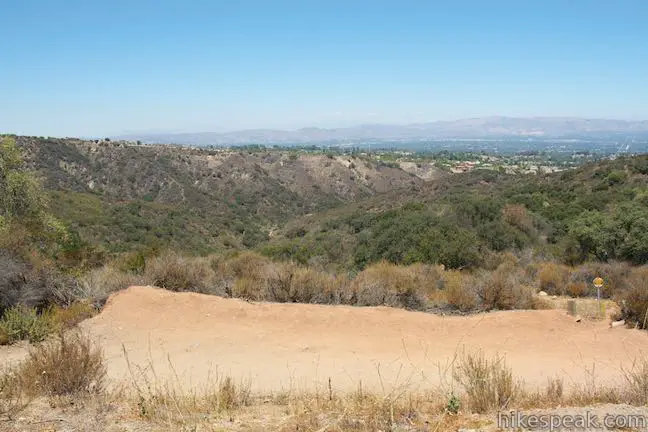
x=616, y=177
x=133, y=262
x=22, y=323
x=27, y=223
x=411, y=235
x=453, y=405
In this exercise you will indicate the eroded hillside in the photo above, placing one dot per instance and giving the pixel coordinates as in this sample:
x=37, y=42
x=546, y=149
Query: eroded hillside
x=124, y=195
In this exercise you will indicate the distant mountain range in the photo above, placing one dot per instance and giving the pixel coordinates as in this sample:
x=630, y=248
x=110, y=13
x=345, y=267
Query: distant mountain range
x=474, y=128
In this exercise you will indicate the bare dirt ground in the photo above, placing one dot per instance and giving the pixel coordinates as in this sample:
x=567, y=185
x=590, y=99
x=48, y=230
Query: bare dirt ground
x=296, y=346
x=190, y=337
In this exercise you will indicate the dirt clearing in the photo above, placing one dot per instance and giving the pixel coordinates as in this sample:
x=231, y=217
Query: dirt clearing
x=188, y=337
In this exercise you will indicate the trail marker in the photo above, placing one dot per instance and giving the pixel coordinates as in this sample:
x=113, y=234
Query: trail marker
x=598, y=283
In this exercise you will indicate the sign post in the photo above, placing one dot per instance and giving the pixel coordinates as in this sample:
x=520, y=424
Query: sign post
x=598, y=283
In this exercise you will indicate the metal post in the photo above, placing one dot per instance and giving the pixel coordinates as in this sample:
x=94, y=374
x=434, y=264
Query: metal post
x=598, y=283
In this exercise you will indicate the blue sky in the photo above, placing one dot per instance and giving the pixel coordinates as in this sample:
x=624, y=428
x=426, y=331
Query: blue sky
x=94, y=68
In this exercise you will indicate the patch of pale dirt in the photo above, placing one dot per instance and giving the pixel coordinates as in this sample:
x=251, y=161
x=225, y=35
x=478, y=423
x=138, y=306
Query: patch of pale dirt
x=13, y=354
x=425, y=171
x=298, y=346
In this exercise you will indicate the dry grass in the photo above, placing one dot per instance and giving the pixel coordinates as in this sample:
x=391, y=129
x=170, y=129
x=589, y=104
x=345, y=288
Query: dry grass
x=12, y=397
x=179, y=273
x=614, y=274
x=503, y=289
x=277, y=284
x=636, y=382
x=97, y=285
x=518, y=216
x=245, y=264
x=170, y=404
x=428, y=277
x=65, y=371
x=488, y=383
x=68, y=365
x=540, y=303
x=390, y=285
x=359, y=411
x=634, y=301
x=312, y=286
x=552, y=395
x=246, y=288
x=460, y=290
x=64, y=318
x=577, y=289
x=592, y=394
x=254, y=277
x=555, y=389
x=512, y=284
x=553, y=278
x=488, y=386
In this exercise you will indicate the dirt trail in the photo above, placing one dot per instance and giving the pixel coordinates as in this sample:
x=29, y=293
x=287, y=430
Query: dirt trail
x=281, y=346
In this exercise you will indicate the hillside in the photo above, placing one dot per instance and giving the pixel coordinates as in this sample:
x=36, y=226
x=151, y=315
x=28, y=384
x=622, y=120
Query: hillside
x=506, y=233
x=596, y=212
x=127, y=196
x=341, y=212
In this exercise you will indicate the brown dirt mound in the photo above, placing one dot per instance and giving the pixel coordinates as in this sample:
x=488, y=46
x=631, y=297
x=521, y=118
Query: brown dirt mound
x=298, y=346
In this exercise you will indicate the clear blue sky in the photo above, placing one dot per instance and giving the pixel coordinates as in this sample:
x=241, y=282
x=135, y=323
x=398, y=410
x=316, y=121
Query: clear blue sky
x=110, y=67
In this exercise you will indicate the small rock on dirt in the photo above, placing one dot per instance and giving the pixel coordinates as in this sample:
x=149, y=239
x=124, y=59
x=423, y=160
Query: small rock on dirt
x=619, y=323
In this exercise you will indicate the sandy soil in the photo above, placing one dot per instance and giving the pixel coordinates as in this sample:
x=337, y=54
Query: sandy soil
x=282, y=346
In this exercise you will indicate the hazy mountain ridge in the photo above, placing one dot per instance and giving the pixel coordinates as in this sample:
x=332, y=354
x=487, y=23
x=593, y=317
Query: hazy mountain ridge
x=474, y=128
